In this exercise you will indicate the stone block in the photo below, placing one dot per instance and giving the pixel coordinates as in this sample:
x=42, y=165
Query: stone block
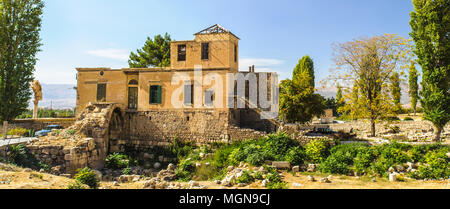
x=281, y=164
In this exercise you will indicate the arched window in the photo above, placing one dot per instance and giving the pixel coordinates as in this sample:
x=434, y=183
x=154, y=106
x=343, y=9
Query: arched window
x=133, y=82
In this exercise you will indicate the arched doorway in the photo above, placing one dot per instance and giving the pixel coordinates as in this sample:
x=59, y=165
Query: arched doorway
x=115, y=131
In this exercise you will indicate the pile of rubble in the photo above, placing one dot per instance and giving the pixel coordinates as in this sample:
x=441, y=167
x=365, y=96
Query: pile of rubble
x=399, y=171
x=164, y=180
x=233, y=173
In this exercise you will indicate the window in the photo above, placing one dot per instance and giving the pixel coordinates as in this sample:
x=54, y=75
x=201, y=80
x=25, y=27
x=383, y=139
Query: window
x=235, y=53
x=133, y=82
x=101, y=92
x=182, y=52
x=155, y=94
x=189, y=94
x=209, y=97
x=205, y=51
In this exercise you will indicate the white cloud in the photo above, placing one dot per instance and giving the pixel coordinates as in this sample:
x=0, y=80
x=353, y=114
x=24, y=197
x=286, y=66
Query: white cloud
x=117, y=54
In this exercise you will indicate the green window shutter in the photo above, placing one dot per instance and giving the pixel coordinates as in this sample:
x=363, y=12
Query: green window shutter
x=159, y=95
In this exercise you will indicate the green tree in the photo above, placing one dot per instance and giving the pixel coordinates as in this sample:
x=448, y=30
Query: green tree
x=154, y=53
x=339, y=96
x=413, y=87
x=396, y=92
x=298, y=102
x=331, y=103
x=368, y=64
x=305, y=66
x=430, y=23
x=20, y=24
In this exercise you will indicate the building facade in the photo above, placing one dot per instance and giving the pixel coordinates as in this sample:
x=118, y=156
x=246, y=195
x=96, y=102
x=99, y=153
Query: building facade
x=187, y=100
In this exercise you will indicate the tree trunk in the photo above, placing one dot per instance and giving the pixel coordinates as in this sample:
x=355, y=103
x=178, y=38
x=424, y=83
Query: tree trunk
x=35, y=109
x=437, y=134
x=372, y=128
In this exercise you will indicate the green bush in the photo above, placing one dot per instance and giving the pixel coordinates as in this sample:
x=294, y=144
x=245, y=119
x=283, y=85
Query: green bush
x=181, y=149
x=364, y=160
x=71, y=132
x=18, y=131
x=278, y=144
x=76, y=185
x=342, y=158
x=126, y=171
x=18, y=155
x=246, y=178
x=258, y=175
x=276, y=185
x=436, y=166
x=235, y=157
x=295, y=155
x=183, y=176
x=389, y=157
x=221, y=155
x=88, y=177
x=117, y=161
x=187, y=165
x=317, y=150
x=336, y=163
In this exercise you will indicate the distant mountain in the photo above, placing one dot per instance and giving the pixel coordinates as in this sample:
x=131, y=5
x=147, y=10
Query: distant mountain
x=57, y=96
x=329, y=92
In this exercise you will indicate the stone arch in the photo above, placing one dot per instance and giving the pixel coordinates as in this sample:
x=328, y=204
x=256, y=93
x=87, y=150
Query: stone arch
x=115, y=131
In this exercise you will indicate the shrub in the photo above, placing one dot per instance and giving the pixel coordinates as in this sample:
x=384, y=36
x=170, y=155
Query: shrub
x=256, y=158
x=336, y=163
x=187, y=165
x=235, y=157
x=317, y=150
x=258, y=175
x=436, y=167
x=295, y=155
x=278, y=144
x=71, y=132
x=221, y=155
x=389, y=156
x=18, y=155
x=181, y=175
x=181, y=149
x=276, y=185
x=76, y=185
x=417, y=153
x=117, y=161
x=126, y=171
x=18, y=131
x=341, y=158
x=246, y=178
x=88, y=177
x=364, y=160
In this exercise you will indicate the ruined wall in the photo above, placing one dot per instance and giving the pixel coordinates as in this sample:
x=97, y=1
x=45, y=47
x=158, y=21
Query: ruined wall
x=159, y=128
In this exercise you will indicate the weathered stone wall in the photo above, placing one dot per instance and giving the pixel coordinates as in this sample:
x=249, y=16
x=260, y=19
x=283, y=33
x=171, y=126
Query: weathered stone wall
x=159, y=128
x=410, y=129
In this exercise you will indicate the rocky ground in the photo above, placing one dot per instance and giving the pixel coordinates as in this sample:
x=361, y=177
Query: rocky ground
x=12, y=177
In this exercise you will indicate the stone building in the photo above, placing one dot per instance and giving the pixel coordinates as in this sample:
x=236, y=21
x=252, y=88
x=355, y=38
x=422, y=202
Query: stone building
x=155, y=105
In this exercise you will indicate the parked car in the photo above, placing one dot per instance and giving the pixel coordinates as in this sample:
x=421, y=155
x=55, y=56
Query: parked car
x=47, y=130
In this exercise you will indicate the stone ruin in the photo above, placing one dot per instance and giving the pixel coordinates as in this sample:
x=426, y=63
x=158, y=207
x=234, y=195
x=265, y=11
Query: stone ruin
x=103, y=128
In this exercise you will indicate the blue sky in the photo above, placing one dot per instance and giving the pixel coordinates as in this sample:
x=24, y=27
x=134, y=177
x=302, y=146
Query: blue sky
x=274, y=34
